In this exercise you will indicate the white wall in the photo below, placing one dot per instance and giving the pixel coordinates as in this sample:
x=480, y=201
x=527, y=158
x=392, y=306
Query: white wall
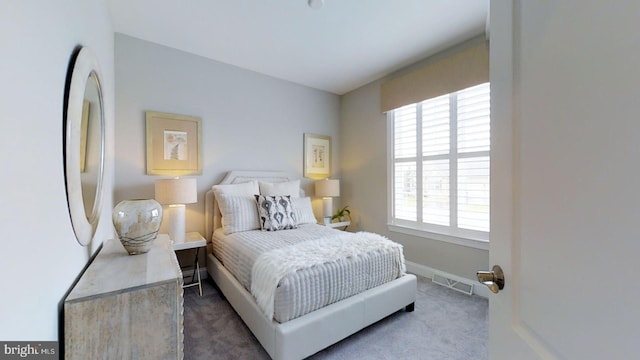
x=39, y=255
x=363, y=141
x=249, y=121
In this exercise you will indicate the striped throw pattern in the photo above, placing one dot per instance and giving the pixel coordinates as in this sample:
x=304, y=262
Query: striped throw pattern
x=307, y=289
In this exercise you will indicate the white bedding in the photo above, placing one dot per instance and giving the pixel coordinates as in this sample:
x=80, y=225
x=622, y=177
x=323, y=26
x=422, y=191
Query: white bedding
x=309, y=288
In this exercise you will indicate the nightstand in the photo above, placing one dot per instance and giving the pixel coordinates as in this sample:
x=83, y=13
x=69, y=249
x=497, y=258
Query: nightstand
x=192, y=240
x=338, y=225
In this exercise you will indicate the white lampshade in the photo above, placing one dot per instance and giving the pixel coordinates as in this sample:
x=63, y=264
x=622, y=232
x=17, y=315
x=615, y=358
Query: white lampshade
x=328, y=188
x=176, y=191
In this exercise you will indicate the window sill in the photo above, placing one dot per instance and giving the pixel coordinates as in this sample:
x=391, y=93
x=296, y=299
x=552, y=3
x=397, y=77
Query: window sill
x=468, y=242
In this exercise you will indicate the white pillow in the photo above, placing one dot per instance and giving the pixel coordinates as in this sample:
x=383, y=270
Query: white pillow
x=239, y=213
x=304, y=211
x=236, y=221
x=248, y=188
x=291, y=188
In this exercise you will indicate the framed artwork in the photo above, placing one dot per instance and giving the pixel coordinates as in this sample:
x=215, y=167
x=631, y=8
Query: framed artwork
x=174, y=144
x=317, y=156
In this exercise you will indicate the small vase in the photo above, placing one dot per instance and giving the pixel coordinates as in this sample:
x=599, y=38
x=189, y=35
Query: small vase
x=137, y=223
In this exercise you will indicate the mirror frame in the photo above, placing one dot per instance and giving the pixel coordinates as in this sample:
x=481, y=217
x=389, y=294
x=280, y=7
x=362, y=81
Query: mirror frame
x=84, y=225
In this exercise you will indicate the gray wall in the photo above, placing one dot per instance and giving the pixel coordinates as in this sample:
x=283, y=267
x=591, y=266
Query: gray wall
x=39, y=255
x=250, y=121
x=363, y=136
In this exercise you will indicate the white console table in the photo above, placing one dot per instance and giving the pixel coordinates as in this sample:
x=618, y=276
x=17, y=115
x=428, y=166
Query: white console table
x=127, y=306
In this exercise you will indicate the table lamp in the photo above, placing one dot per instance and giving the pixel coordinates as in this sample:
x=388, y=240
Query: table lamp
x=327, y=189
x=175, y=193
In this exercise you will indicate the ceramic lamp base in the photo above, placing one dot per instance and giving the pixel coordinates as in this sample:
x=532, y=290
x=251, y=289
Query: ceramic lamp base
x=327, y=205
x=176, y=223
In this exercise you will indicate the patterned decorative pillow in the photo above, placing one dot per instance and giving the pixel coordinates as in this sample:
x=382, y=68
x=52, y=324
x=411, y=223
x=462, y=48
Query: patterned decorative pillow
x=276, y=213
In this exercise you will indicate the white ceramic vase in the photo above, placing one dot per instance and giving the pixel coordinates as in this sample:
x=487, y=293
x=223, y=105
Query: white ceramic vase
x=137, y=223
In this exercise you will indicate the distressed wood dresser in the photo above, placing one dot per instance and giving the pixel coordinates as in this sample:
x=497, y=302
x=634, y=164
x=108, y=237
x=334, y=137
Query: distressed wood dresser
x=127, y=306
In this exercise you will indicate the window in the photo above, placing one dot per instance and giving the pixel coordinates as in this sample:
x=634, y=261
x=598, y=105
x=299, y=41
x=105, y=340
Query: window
x=440, y=164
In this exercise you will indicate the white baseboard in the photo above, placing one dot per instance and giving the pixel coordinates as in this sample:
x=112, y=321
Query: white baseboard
x=423, y=270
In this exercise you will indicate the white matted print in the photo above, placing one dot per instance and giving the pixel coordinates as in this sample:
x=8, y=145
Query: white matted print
x=317, y=156
x=174, y=144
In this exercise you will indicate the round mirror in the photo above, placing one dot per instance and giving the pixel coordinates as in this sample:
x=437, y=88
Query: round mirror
x=84, y=145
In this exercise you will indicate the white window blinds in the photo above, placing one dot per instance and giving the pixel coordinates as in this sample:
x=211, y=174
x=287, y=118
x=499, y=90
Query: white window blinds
x=405, y=149
x=435, y=126
x=444, y=187
x=473, y=119
x=474, y=137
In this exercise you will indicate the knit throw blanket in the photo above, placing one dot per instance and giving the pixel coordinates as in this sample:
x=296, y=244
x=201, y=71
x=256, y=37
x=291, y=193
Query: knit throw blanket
x=272, y=266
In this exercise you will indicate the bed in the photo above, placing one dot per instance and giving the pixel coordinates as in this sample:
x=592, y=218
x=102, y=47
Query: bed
x=292, y=330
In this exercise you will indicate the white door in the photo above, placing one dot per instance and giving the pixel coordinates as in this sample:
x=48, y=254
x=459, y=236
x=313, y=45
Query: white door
x=565, y=82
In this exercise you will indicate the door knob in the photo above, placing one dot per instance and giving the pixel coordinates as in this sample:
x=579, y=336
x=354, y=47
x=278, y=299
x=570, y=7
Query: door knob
x=493, y=279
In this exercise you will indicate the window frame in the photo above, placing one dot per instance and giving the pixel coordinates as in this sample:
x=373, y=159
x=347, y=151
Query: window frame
x=450, y=234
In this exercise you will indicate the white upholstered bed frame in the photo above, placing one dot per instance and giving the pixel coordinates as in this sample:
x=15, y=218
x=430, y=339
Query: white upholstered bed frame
x=310, y=333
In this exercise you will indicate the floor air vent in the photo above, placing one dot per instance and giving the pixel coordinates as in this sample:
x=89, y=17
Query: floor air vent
x=462, y=286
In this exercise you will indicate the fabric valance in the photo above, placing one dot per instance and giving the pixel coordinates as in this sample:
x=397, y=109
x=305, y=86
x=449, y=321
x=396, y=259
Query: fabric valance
x=461, y=70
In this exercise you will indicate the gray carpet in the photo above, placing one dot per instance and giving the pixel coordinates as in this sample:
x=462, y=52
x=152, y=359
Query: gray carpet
x=445, y=325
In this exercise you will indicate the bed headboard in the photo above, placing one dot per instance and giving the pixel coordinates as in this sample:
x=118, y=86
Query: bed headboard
x=212, y=214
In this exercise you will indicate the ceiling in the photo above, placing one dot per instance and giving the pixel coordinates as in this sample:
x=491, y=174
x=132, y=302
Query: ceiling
x=337, y=48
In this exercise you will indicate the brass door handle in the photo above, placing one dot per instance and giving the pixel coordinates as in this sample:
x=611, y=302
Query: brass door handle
x=493, y=279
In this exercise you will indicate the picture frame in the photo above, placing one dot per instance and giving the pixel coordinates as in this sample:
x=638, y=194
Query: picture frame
x=174, y=144
x=317, y=156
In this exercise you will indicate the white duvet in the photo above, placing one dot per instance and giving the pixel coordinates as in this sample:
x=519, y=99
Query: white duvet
x=305, y=288
x=272, y=266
